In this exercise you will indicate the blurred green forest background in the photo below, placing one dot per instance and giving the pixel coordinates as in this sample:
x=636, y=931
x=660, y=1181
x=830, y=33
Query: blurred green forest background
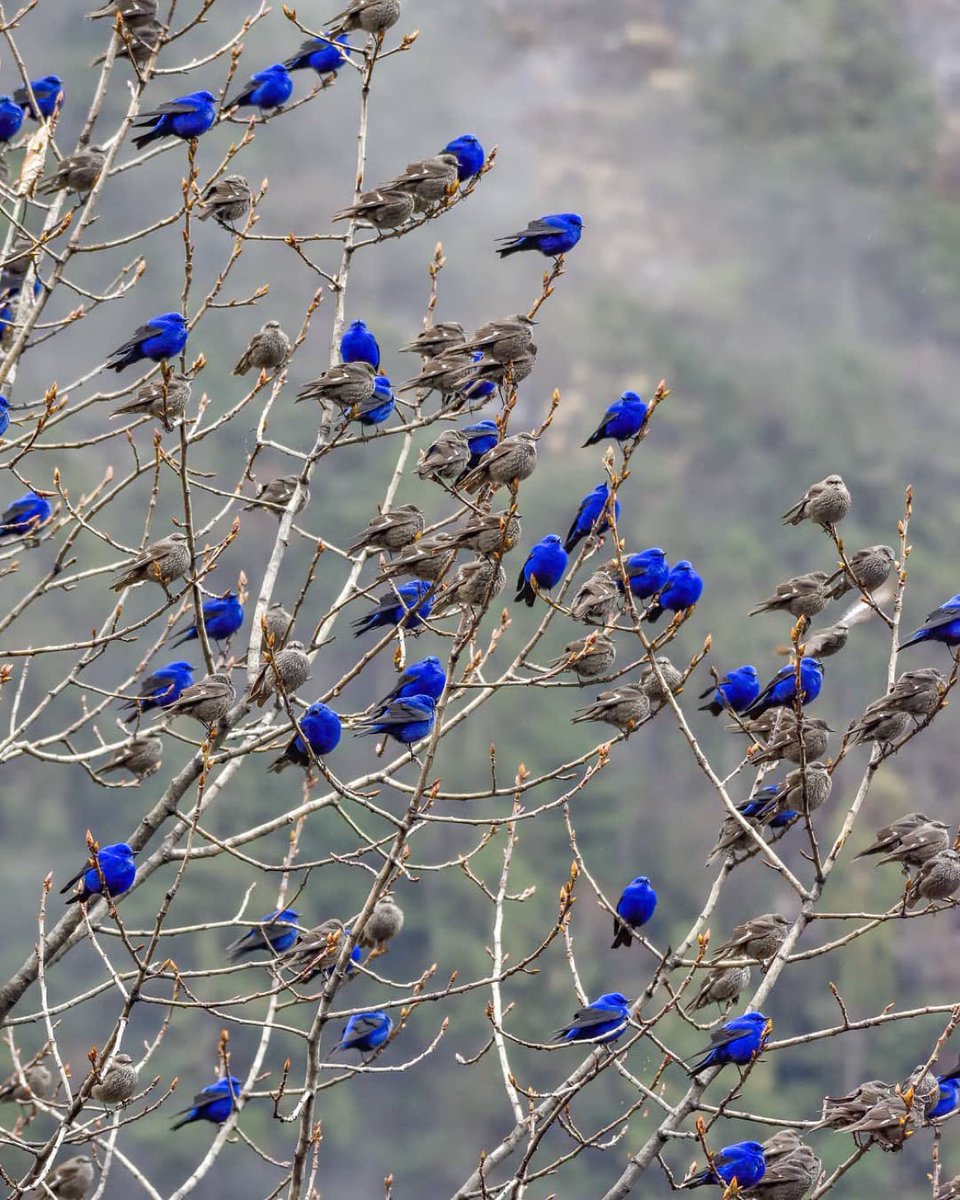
x=771, y=191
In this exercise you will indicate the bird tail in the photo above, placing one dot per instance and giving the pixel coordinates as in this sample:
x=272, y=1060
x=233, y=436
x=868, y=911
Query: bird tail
x=572, y=538
x=188, y=636
x=654, y=612
x=593, y=439
x=144, y=140
x=715, y=708
x=698, y=1180
x=621, y=935
x=186, y=1120
x=912, y=640
x=700, y=1067
x=506, y=251
x=525, y=591
x=279, y=764
x=77, y=898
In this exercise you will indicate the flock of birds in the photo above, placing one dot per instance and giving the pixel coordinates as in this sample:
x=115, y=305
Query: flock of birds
x=477, y=460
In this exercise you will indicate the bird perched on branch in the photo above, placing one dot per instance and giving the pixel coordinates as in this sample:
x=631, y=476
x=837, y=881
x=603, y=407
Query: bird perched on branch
x=742, y=1164
x=802, y=596
x=551, y=235
x=370, y=16
x=276, y=932
x=366, y=1032
x=646, y=572
x=739, y=1041
x=324, y=54
x=141, y=757
x=635, y=907
x=624, y=707
x=267, y=89
x=488, y=533
x=185, y=117
x=112, y=869
x=722, y=985
x=25, y=516
x=222, y=617
x=429, y=181
x=163, y=562
x=588, y=657
x=622, y=421
x=344, y=385
x=426, y=559
x=207, y=701
x=680, y=593
x=48, y=93
x=825, y=503
x=792, y=1168
x=471, y=156
x=597, y=601
x=652, y=686
x=118, y=1081
x=36, y=1083
x=391, y=530
x=871, y=568
x=759, y=938
x=228, y=200
x=214, y=1103
x=937, y=879
x=545, y=566
x=358, y=344
x=383, y=924
x=160, y=689
x=382, y=208
x=603, y=1020
x=781, y=691
x=277, y=494
x=593, y=516
x=737, y=690
x=165, y=398
x=11, y=118
x=435, y=339
x=506, y=465
x=941, y=625
x=282, y=673
x=424, y=678
x=406, y=720
x=77, y=172
x=266, y=351
x=162, y=337
x=408, y=606
x=317, y=951
x=321, y=728
x=72, y=1179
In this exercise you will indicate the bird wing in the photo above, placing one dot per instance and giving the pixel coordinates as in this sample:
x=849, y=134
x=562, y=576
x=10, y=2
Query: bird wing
x=941, y=616
x=590, y=1017
x=537, y=228
x=172, y=108
x=19, y=508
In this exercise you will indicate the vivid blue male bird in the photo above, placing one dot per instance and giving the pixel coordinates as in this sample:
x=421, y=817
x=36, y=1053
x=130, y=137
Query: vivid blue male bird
x=647, y=571
x=738, y=1041
x=743, y=1162
x=781, y=691
x=186, y=117
x=604, y=1020
x=222, y=617
x=470, y=155
x=366, y=1032
x=25, y=515
x=424, y=678
x=11, y=118
x=634, y=909
x=622, y=421
x=4, y=415
x=481, y=437
x=738, y=689
x=407, y=720
x=160, y=689
x=162, y=337
x=276, y=932
x=376, y=408
x=48, y=93
x=592, y=516
x=359, y=345
x=266, y=89
x=683, y=589
x=409, y=605
x=322, y=728
x=215, y=1103
x=321, y=54
x=948, y=1098
x=552, y=235
x=545, y=566
x=481, y=388
x=115, y=871
x=942, y=625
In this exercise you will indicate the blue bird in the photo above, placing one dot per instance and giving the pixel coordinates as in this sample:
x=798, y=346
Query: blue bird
x=781, y=691
x=48, y=93
x=647, y=571
x=222, y=617
x=359, y=345
x=738, y=1041
x=270, y=88
x=322, y=729
x=481, y=437
x=321, y=54
x=162, y=337
x=366, y=1032
x=759, y=805
x=604, y=1020
x=551, y=235
x=215, y=1103
x=11, y=118
x=743, y=1162
x=738, y=689
x=634, y=909
x=592, y=516
x=4, y=415
x=409, y=605
x=942, y=625
x=407, y=720
x=470, y=155
x=376, y=408
x=115, y=870
x=276, y=932
x=948, y=1098
x=25, y=515
x=683, y=589
x=622, y=421
x=160, y=689
x=545, y=566
x=185, y=117
x=424, y=678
